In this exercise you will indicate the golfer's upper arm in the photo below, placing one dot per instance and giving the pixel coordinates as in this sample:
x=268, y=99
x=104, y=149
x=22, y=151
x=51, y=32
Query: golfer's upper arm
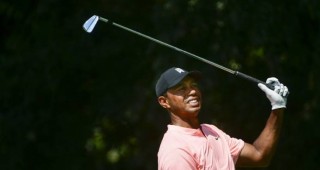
x=251, y=157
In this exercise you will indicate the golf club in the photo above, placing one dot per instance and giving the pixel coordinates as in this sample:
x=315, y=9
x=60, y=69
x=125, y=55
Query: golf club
x=89, y=25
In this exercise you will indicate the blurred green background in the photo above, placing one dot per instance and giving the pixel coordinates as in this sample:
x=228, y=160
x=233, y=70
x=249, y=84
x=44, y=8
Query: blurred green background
x=70, y=100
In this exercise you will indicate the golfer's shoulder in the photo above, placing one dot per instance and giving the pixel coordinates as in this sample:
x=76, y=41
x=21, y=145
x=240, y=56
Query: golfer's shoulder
x=173, y=139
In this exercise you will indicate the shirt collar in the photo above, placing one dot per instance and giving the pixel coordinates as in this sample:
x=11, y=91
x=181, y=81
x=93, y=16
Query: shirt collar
x=183, y=130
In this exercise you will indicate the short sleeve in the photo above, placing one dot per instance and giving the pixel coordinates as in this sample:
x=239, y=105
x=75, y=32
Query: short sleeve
x=235, y=146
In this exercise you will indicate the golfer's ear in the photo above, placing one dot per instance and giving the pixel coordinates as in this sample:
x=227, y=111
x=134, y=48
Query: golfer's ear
x=163, y=102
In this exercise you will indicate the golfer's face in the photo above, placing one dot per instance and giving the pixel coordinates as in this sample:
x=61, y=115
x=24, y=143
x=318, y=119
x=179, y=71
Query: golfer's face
x=185, y=97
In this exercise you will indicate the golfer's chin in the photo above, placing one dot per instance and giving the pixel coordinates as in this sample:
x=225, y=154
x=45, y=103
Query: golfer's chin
x=194, y=110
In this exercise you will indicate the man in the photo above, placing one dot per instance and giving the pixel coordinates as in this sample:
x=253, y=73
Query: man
x=188, y=144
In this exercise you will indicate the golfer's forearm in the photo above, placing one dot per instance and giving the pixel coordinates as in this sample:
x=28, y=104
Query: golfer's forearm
x=266, y=142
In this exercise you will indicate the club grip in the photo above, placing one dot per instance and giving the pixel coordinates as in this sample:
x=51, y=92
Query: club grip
x=237, y=73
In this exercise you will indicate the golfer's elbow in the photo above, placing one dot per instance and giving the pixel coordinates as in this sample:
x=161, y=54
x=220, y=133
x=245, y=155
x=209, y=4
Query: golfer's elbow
x=255, y=160
x=263, y=160
x=252, y=156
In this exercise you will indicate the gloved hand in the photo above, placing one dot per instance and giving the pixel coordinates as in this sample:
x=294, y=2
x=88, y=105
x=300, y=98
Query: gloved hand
x=278, y=96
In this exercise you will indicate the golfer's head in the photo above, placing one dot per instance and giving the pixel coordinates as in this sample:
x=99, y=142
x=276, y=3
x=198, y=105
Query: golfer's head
x=172, y=77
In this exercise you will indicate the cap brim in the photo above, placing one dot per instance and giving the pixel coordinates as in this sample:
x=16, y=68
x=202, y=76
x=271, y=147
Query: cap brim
x=195, y=74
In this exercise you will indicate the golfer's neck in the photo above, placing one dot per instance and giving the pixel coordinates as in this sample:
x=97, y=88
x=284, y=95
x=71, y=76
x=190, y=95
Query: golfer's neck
x=187, y=123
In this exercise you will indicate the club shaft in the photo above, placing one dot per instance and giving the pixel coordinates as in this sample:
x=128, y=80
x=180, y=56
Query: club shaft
x=236, y=73
x=168, y=45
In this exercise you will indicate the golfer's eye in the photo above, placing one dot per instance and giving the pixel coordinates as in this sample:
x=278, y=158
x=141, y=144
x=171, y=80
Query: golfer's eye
x=195, y=85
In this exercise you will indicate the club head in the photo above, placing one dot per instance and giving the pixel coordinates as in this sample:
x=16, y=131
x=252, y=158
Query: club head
x=89, y=25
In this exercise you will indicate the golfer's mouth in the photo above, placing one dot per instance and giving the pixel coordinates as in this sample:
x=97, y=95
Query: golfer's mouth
x=193, y=101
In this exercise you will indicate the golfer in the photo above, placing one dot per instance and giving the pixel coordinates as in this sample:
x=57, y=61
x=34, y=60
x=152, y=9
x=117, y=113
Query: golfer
x=189, y=144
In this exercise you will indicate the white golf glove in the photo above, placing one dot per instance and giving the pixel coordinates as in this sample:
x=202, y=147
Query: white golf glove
x=278, y=96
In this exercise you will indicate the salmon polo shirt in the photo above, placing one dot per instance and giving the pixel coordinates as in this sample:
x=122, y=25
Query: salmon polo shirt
x=190, y=149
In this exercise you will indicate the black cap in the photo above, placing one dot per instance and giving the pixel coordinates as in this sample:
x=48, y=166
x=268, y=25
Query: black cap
x=172, y=77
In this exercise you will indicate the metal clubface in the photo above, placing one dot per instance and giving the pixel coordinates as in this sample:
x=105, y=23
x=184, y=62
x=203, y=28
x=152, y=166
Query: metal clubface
x=89, y=25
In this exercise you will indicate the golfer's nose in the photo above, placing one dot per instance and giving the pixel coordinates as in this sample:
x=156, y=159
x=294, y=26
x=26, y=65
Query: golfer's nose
x=191, y=90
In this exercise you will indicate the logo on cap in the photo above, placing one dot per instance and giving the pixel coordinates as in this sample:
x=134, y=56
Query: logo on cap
x=179, y=70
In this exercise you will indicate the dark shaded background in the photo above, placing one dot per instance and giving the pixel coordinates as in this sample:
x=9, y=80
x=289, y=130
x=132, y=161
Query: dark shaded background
x=76, y=101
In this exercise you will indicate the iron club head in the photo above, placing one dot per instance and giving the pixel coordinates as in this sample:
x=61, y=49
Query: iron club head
x=89, y=25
